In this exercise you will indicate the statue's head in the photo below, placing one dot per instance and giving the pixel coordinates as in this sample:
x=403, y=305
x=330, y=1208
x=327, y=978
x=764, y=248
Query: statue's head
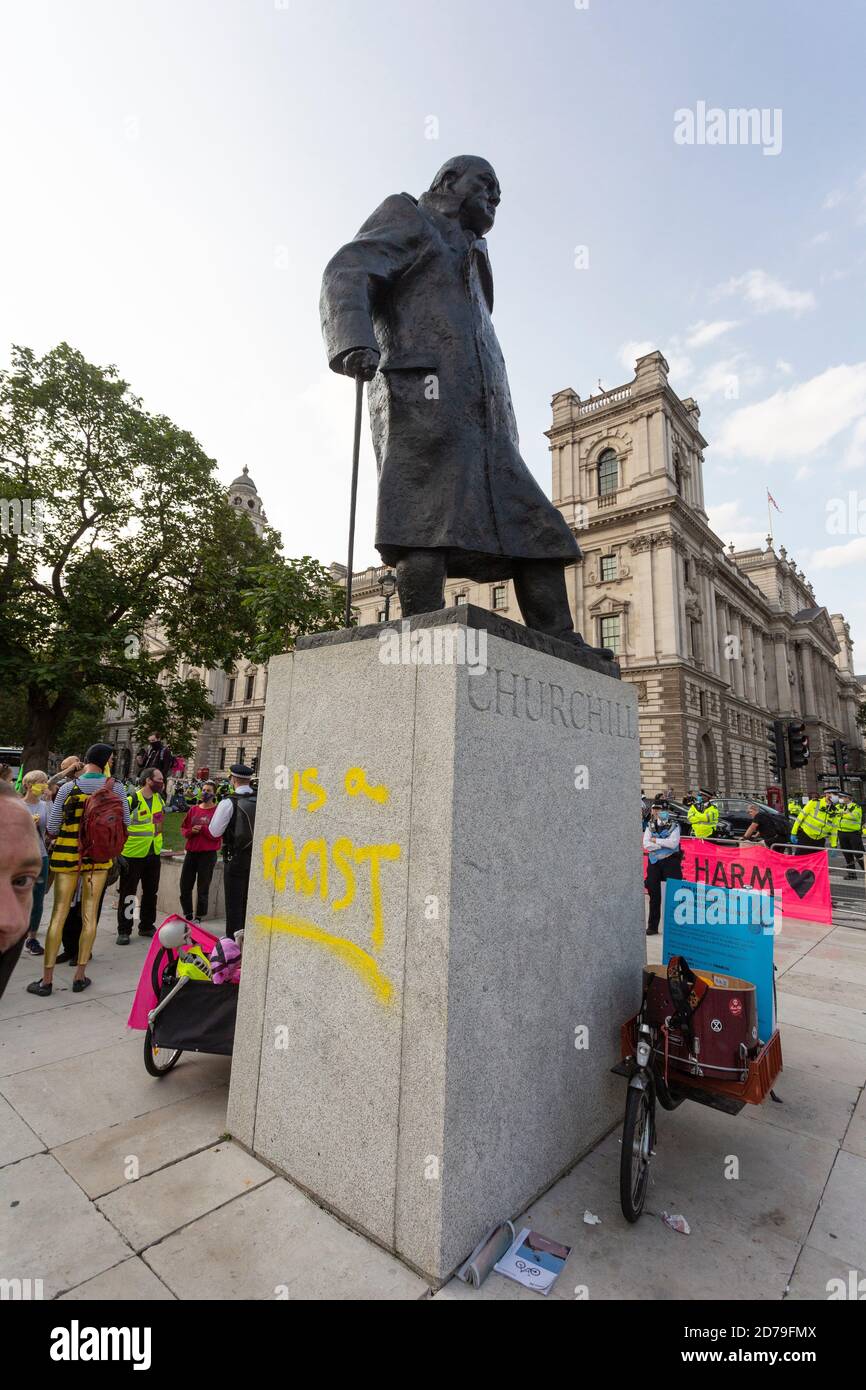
x=467, y=188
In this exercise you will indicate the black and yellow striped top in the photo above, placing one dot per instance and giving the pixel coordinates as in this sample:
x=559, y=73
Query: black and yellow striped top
x=64, y=855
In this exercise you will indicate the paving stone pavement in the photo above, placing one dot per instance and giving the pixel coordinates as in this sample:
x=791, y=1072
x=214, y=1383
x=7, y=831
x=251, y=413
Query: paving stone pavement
x=117, y=1185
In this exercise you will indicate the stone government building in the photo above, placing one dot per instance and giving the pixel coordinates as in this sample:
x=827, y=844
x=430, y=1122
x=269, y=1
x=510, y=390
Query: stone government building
x=716, y=642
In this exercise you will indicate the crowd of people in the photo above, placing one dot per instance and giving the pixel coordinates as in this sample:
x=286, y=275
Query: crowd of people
x=82, y=829
x=830, y=821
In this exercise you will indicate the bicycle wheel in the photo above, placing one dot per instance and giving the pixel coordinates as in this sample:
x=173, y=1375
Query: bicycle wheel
x=637, y=1139
x=159, y=1060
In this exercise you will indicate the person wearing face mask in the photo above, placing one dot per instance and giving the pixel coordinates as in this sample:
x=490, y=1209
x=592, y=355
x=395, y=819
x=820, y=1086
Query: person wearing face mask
x=201, y=854
x=661, y=840
x=817, y=825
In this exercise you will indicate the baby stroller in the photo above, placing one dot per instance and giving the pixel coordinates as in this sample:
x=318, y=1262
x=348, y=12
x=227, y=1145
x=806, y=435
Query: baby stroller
x=177, y=1003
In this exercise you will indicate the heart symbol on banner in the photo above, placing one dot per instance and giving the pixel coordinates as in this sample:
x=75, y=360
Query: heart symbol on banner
x=801, y=880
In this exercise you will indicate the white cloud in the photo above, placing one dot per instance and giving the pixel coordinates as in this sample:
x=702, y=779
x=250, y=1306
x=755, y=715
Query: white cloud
x=731, y=525
x=784, y=367
x=767, y=294
x=803, y=472
x=727, y=377
x=833, y=199
x=799, y=421
x=819, y=240
x=702, y=333
x=855, y=454
x=836, y=557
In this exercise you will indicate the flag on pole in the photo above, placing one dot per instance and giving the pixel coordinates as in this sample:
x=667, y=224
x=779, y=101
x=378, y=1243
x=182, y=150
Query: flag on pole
x=771, y=498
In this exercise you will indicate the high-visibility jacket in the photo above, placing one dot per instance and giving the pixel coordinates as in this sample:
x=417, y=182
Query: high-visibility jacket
x=851, y=819
x=820, y=821
x=143, y=835
x=794, y=807
x=713, y=812
x=702, y=822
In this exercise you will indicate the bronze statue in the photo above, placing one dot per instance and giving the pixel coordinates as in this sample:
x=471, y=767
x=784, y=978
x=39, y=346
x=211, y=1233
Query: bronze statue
x=406, y=306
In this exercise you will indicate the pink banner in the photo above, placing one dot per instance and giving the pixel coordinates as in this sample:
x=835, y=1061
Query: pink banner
x=802, y=878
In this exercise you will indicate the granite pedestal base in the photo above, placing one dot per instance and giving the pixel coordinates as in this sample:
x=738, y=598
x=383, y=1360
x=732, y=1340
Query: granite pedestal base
x=445, y=924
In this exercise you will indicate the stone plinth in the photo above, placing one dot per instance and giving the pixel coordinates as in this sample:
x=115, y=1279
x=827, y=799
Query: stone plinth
x=445, y=906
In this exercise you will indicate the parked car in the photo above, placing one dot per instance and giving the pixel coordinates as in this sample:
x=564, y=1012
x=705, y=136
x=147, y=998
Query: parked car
x=735, y=810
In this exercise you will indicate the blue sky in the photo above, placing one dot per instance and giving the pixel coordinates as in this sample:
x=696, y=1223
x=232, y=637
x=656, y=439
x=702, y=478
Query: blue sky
x=177, y=174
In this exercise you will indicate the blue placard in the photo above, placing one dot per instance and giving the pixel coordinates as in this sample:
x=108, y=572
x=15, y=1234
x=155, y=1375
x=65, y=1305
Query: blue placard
x=727, y=931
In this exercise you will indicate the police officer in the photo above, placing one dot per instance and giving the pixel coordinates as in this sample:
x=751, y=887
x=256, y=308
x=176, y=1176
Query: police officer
x=817, y=825
x=661, y=840
x=234, y=820
x=703, y=816
x=851, y=835
x=140, y=861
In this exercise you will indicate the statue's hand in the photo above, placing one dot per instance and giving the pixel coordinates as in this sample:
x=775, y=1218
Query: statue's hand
x=361, y=362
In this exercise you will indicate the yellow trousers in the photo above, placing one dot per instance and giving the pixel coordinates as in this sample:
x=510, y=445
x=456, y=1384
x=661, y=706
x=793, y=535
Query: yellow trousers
x=92, y=883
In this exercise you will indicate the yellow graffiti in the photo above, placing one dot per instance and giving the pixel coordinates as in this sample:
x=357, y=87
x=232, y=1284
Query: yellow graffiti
x=331, y=872
x=374, y=855
x=357, y=959
x=356, y=784
x=308, y=781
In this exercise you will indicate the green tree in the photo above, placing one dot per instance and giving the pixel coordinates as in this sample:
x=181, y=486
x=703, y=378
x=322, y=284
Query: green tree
x=129, y=567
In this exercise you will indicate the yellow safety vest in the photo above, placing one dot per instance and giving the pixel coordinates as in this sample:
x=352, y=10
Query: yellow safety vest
x=141, y=834
x=851, y=818
x=702, y=822
x=820, y=821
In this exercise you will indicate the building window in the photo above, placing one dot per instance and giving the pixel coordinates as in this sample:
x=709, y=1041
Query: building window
x=608, y=567
x=610, y=633
x=380, y=616
x=686, y=571
x=222, y=757
x=695, y=631
x=231, y=692
x=460, y=599
x=225, y=726
x=250, y=686
x=608, y=473
x=678, y=475
x=241, y=754
x=500, y=596
x=245, y=724
x=702, y=703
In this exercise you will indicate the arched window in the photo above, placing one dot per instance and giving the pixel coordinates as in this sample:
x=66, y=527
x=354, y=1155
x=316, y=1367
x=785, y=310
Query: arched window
x=608, y=473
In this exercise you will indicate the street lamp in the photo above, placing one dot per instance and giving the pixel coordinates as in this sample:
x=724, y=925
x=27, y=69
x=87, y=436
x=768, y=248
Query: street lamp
x=388, y=588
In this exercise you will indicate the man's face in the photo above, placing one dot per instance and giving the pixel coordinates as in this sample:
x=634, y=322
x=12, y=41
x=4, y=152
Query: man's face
x=20, y=866
x=155, y=784
x=479, y=191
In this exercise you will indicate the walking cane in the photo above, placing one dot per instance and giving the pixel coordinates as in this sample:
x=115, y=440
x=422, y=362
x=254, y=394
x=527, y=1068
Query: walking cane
x=359, y=401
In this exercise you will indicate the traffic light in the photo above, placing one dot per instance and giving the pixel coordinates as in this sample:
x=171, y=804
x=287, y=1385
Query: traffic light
x=798, y=745
x=840, y=756
x=776, y=747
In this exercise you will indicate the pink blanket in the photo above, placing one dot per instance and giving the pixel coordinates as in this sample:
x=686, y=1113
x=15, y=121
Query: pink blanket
x=145, y=999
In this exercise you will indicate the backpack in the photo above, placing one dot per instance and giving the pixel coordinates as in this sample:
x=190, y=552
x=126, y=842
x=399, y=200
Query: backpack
x=102, y=833
x=242, y=825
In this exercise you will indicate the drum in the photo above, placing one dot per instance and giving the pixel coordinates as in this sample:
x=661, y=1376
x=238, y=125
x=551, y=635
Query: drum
x=724, y=1027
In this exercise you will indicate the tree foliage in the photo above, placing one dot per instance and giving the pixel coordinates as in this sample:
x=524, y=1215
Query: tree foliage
x=135, y=570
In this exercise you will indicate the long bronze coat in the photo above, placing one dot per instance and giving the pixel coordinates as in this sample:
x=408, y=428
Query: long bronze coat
x=418, y=288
